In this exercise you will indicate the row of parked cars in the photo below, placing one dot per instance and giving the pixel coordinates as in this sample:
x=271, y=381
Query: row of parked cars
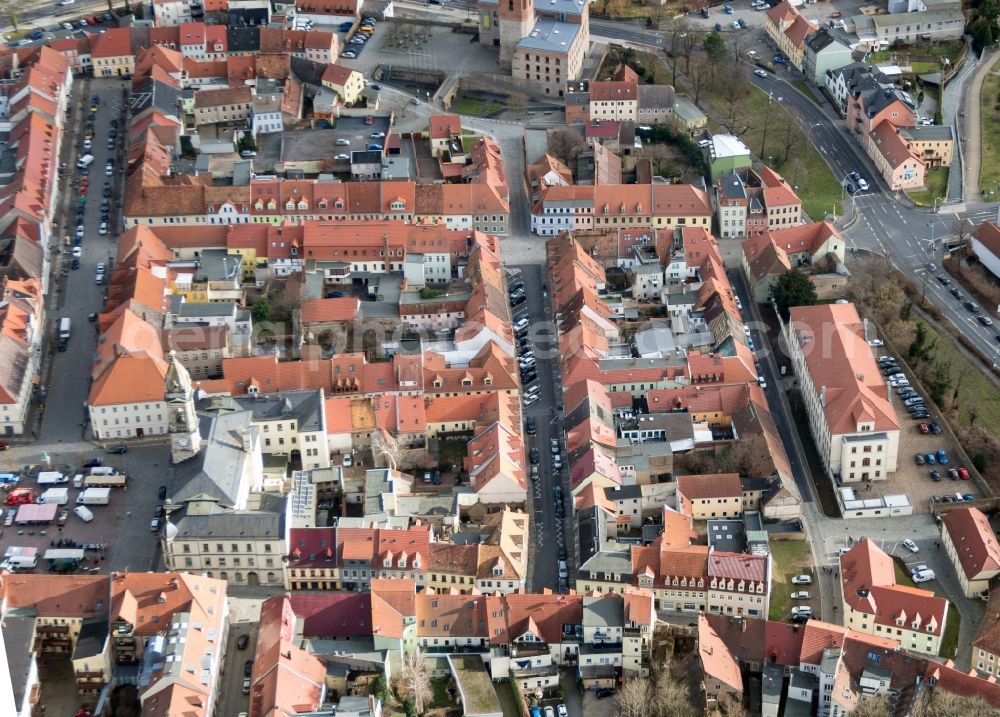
x=357, y=42
x=913, y=402
x=971, y=306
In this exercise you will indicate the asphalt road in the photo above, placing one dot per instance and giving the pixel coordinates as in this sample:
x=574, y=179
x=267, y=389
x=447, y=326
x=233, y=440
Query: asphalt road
x=549, y=531
x=78, y=294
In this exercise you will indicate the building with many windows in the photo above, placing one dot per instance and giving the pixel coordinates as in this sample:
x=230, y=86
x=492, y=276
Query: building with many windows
x=851, y=417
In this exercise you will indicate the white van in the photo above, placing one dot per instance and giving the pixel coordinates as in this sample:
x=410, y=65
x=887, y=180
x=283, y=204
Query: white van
x=103, y=471
x=83, y=513
x=65, y=327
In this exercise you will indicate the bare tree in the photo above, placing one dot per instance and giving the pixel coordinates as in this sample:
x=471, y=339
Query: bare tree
x=676, y=35
x=873, y=707
x=566, y=145
x=790, y=140
x=670, y=696
x=690, y=40
x=634, y=698
x=737, y=119
x=964, y=374
x=700, y=77
x=416, y=681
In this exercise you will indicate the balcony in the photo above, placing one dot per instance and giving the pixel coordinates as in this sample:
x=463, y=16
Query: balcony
x=533, y=671
x=519, y=651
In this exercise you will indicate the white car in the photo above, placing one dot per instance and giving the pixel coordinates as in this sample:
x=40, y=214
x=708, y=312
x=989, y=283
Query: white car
x=343, y=156
x=348, y=460
x=64, y=3
x=104, y=229
x=876, y=342
x=802, y=579
x=761, y=382
x=531, y=399
x=68, y=26
x=911, y=546
x=923, y=576
x=802, y=610
x=77, y=252
x=760, y=73
x=563, y=712
x=800, y=595
x=752, y=53
x=549, y=712
x=918, y=569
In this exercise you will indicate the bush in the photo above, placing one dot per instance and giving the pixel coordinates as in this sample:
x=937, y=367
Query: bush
x=980, y=462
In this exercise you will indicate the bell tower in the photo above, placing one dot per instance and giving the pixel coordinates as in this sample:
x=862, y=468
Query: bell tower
x=517, y=19
x=182, y=419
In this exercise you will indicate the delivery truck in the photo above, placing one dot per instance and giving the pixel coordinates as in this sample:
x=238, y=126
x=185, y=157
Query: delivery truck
x=94, y=496
x=9, y=479
x=52, y=478
x=19, y=550
x=58, y=496
x=19, y=562
x=115, y=481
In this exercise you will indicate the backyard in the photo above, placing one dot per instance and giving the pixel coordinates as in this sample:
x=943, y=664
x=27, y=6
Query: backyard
x=786, y=148
x=790, y=558
x=935, y=187
x=989, y=118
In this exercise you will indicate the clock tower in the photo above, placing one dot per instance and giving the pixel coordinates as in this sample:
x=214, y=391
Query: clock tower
x=182, y=419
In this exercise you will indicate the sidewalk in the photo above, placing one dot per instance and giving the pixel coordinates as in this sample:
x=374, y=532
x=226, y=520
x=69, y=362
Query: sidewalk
x=969, y=129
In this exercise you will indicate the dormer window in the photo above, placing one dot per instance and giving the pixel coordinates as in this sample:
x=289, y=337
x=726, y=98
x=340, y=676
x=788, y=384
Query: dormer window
x=339, y=204
x=397, y=205
x=289, y=205
x=271, y=205
x=322, y=204
x=416, y=563
x=303, y=205
x=402, y=562
x=466, y=382
x=437, y=383
x=387, y=563
x=258, y=205
x=498, y=570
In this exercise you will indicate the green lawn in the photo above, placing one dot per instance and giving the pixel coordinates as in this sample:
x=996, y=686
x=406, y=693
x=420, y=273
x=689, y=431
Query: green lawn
x=441, y=697
x=949, y=643
x=936, y=187
x=976, y=390
x=921, y=68
x=483, y=108
x=805, y=168
x=789, y=558
x=805, y=89
x=989, y=118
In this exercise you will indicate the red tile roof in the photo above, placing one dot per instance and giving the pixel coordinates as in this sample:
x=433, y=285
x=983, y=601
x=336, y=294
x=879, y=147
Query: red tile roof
x=714, y=485
x=974, y=541
x=333, y=614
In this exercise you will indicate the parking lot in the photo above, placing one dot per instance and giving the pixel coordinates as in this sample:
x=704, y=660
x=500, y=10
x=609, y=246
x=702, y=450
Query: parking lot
x=423, y=47
x=915, y=479
x=123, y=525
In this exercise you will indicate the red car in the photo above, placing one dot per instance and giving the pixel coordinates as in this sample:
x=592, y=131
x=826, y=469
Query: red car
x=924, y=428
x=92, y=20
x=20, y=496
x=963, y=473
x=369, y=120
x=4, y=446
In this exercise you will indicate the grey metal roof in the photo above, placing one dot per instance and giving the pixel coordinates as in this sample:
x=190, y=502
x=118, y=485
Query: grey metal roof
x=732, y=187
x=623, y=492
x=18, y=633
x=230, y=524
x=550, y=36
x=91, y=640
x=242, y=39
x=155, y=94
x=305, y=407
x=610, y=563
x=216, y=469
x=180, y=307
x=562, y=7
x=929, y=133
x=656, y=96
x=603, y=612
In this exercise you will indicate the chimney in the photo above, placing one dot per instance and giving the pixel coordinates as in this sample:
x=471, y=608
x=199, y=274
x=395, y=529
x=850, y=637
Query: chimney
x=247, y=437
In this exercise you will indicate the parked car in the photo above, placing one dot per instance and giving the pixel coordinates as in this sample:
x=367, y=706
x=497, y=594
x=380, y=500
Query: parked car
x=800, y=595
x=923, y=428
x=911, y=546
x=936, y=476
x=963, y=473
x=760, y=73
x=803, y=579
x=942, y=457
x=931, y=459
x=919, y=458
x=923, y=576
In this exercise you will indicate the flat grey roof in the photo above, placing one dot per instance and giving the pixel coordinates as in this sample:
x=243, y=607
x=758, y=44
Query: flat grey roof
x=551, y=36
x=305, y=407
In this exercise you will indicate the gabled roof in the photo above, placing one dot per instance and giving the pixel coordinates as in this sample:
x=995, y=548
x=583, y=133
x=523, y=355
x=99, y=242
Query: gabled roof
x=974, y=541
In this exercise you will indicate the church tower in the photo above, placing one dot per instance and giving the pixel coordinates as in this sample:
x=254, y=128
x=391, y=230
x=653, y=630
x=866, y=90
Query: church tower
x=517, y=20
x=182, y=419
